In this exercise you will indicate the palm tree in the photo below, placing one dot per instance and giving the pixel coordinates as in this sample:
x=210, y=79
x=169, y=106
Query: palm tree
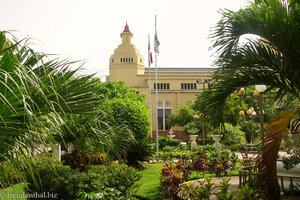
x=35, y=93
x=258, y=44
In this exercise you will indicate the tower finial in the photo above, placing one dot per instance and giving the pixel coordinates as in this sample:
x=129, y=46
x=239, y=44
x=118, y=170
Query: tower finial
x=126, y=28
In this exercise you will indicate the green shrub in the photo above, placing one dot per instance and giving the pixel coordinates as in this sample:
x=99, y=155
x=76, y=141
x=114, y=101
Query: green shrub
x=166, y=141
x=202, y=190
x=138, y=152
x=9, y=174
x=169, y=153
x=102, y=181
x=46, y=175
x=232, y=136
x=247, y=193
x=120, y=177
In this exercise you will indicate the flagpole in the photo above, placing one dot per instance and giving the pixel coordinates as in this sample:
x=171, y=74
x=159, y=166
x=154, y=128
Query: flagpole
x=149, y=78
x=156, y=100
x=156, y=86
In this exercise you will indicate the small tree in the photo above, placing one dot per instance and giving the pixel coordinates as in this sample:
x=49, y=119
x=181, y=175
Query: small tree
x=125, y=106
x=182, y=116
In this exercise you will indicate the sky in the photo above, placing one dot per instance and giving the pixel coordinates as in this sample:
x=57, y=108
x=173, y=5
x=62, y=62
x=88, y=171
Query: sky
x=90, y=30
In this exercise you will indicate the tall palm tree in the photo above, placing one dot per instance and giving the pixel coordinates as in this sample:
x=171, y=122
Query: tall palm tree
x=35, y=93
x=258, y=44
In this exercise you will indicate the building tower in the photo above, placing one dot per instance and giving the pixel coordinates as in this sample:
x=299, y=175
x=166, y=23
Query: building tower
x=175, y=86
x=126, y=62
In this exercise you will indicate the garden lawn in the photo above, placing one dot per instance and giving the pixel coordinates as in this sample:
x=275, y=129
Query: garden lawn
x=13, y=192
x=150, y=182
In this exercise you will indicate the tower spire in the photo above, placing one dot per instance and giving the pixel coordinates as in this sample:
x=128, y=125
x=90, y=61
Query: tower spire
x=126, y=35
x=126, y=28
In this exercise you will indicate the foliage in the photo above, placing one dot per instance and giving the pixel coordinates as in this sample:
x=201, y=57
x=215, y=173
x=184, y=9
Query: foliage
x=118, y=176
x=169, y=153
x=15, y=191
x=172, y=175
x=126, y=107
x=166, y=141
x=251, y=130
x=184, y=115
x=97, y=181
x=139, y=152
x=90, y=135
x=232, y=136
x=247, y=193
x=230, y=109
x=117, y=90
x=197, y=190
x=292, y=148
x=204, y=189
x=263, y=58
x=213, y=161
x=9, y=174
x=133, y=114
x=45, y=174
x=224, y=193
x=191, y=128
x=270, y=58
x=35, y=94
x=200, y=162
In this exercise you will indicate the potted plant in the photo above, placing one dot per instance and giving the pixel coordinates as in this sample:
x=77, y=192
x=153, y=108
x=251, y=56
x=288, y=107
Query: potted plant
x=191, y=130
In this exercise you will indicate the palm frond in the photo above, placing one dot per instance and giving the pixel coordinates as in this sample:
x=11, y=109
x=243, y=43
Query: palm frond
x=31, y=88
x=270, y=58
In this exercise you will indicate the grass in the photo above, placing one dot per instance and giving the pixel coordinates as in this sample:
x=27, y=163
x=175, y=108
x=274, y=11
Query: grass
x=13, y=192
x=149, y=183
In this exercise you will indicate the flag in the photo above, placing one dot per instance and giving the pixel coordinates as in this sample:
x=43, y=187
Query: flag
x=156, y=41
x=150, y=60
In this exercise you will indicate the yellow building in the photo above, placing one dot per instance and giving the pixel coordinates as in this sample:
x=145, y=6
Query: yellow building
x=175, y=86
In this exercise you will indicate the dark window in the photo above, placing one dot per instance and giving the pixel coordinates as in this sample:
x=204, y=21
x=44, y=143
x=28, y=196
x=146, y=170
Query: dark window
x=162, y=86
x=188, y=86
x=163, y=115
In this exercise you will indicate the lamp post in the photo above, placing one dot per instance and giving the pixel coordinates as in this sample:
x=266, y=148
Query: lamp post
x=203, y=82
x=251, y=113
x=259, y=90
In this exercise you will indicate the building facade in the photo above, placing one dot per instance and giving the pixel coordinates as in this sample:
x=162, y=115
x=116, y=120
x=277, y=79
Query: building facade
x=175, y=86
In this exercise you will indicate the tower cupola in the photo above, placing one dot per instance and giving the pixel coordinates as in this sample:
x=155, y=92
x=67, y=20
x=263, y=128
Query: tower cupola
x=126, y=35
x=126, y=62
